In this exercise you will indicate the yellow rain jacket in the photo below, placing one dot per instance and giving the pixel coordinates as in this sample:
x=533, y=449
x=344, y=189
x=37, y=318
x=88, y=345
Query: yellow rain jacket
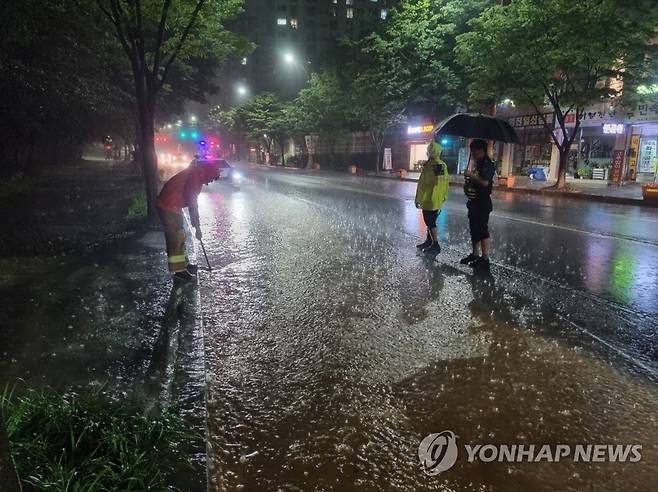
x=432, y=189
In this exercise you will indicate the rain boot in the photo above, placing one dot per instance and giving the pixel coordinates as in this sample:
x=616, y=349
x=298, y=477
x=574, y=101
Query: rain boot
x=185, y=276
x=482, y=263
x=433, y=249
x=467, y=260
x=428, y=242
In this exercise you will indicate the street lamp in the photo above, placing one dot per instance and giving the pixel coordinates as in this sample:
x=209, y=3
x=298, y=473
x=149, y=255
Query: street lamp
x=192, y=119
x=242, y=90
x=289, y=58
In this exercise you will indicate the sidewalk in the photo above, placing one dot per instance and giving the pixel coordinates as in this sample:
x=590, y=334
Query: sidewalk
x=98, y=306
x=582, y=189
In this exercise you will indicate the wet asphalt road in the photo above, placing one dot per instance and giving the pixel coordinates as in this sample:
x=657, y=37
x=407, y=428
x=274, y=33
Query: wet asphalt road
x=333, y=348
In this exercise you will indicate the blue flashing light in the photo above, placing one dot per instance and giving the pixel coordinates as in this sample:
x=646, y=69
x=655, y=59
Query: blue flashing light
x=182, y=135
x=202, y=143
x=194, y=135
x=445, y=141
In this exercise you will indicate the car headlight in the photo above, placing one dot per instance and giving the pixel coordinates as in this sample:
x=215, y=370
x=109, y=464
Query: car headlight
x=237, y=176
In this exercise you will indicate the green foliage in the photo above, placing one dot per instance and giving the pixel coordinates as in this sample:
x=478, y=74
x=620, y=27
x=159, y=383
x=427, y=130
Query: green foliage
x=558, y=53
x=412, y=57
x=562, y=51
x=585, y=172
x=137, y=209
x=322, y=106
x=93, y=442
x=263, y=118
x=15, y=185
x=56, y=72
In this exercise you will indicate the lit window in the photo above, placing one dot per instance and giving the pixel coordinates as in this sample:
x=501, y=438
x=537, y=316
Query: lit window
x=383, y=13
x=294, y=24
x=281, y=21
x=349, y=12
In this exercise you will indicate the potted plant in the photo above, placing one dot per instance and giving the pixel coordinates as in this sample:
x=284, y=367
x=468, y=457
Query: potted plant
x=650, y=190
x=584, y=172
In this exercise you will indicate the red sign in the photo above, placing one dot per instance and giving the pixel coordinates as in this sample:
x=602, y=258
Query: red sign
x=617, y=166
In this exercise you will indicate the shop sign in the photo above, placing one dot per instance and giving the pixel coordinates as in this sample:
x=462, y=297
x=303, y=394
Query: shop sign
x=530, y=121
x=647, y=155
x=613, y=128
x=643, y=112
x=592, y=116
x=311, y=142
x=417, y=130
x=388, y=159
x=632, y=159
x=617, y=166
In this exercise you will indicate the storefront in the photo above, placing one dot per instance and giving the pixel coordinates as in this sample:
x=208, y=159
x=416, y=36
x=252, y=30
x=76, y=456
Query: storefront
x=534, y=149
x=601, y=132
x=604, y=128
x=417, y=137
x=643, y=145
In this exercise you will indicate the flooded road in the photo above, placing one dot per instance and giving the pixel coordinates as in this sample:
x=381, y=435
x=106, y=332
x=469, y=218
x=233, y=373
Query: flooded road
x=333, y=347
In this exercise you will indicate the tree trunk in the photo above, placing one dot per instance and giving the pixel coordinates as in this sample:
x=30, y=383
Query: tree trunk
x=283, y=156
x=379, y=156
x=562, y=169
x=149, y=158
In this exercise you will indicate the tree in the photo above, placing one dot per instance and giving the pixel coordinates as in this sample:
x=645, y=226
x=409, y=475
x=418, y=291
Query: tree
x=322, y=107
x=558, y=53
x=157, y=36
x=374, y=105
x=413, y=55
x=56, y=69
x=260, y=119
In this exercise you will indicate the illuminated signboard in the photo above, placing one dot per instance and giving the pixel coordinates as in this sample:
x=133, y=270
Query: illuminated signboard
x=613, y=128
x=415, y=130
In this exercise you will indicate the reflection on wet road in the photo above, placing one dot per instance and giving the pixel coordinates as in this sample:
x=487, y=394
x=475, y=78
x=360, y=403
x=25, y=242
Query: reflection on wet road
x=333, y=348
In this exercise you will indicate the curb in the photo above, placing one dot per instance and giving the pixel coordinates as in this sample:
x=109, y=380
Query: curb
x=616, y=200
x=193, y=248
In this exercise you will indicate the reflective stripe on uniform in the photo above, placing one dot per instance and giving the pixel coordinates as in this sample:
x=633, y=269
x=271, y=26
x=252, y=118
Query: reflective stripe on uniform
x=177, y=259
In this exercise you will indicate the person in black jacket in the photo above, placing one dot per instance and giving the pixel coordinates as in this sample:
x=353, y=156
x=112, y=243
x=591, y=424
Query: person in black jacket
x=478, y=186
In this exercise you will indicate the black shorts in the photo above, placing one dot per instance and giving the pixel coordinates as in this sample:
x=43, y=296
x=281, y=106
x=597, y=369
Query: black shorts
x=429, y=216
x=478, y=219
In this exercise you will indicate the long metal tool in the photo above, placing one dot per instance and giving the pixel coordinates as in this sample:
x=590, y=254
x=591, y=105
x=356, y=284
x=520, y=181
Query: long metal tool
x=203, y=248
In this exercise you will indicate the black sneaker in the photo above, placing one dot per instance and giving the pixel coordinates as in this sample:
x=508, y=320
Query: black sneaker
x=193, y=269
x=428, y=242
x=469, y=259
x=185, y=276
x=481, y=263
x=433, y=249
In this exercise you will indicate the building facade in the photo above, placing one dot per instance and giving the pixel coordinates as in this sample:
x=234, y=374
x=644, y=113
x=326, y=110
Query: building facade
x=608, y=137
x=293, y=38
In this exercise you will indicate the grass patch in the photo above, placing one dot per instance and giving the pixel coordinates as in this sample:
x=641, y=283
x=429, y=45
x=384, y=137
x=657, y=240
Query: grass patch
x=93, y=442
x=15, y=185
x=137, y=210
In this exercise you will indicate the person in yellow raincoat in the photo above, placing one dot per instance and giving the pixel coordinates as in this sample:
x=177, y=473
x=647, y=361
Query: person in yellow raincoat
x=431, y=194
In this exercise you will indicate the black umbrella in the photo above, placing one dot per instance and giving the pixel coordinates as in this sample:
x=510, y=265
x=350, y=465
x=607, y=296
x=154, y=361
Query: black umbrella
x=478, y=126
